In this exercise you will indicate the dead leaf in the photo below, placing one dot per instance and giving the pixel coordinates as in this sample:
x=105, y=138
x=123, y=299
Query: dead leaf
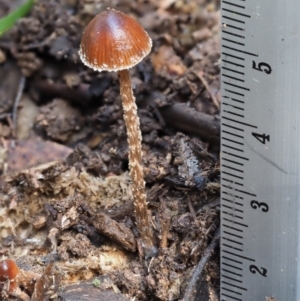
x=28, y=153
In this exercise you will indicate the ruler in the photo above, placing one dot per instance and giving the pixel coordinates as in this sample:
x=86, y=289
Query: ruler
x=260, y=165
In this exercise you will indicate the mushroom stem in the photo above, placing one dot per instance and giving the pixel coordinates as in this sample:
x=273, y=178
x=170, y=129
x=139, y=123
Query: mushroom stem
x=134, y=137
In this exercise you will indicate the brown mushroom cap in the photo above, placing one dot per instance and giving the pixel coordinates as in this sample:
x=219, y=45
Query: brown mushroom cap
x=8, y=270
x=113, y=41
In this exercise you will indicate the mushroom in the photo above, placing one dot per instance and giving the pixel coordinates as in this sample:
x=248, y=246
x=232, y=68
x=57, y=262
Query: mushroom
x=113, y=41
x=12, y=278
x=8, y=273
x=8, y=270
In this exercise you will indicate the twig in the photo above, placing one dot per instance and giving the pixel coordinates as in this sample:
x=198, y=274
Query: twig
x=16, y=104
x=5, y=115
x=191, y=121
x=192, y=210
x=79, y=95
x=206, y=86
x=190, y=291
x=165, y=221
x=212, y=204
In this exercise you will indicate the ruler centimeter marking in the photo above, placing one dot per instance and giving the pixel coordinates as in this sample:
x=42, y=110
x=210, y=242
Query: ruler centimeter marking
x=260, y=150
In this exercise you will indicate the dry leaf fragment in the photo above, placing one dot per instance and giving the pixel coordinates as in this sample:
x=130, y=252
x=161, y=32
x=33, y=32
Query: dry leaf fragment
x=165, y=61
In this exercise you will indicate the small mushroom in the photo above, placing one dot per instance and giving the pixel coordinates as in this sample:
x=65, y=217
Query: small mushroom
x=8, y=273
x=8, y=270
x=113, y=41
x=12, y=278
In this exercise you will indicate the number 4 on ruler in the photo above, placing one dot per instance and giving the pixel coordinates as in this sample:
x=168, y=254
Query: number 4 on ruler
x=261, y=137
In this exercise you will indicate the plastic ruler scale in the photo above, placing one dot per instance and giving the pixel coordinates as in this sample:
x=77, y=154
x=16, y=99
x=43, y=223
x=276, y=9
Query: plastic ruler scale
x=260, y=169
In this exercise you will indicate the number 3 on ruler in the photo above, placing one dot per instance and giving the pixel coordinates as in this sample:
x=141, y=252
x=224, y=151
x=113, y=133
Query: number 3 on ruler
x=263, y=206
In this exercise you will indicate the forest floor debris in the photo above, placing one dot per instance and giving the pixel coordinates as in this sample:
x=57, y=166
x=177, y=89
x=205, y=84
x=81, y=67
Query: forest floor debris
x=66, y=202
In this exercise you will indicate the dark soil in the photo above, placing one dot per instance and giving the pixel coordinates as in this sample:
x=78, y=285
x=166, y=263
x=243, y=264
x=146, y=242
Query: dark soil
x=66, y=205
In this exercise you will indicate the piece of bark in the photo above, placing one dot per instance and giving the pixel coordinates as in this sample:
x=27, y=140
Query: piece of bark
x=47, y=285
x=89, y=291
x=10, y=76
x=123, y=210
x=115, y=231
